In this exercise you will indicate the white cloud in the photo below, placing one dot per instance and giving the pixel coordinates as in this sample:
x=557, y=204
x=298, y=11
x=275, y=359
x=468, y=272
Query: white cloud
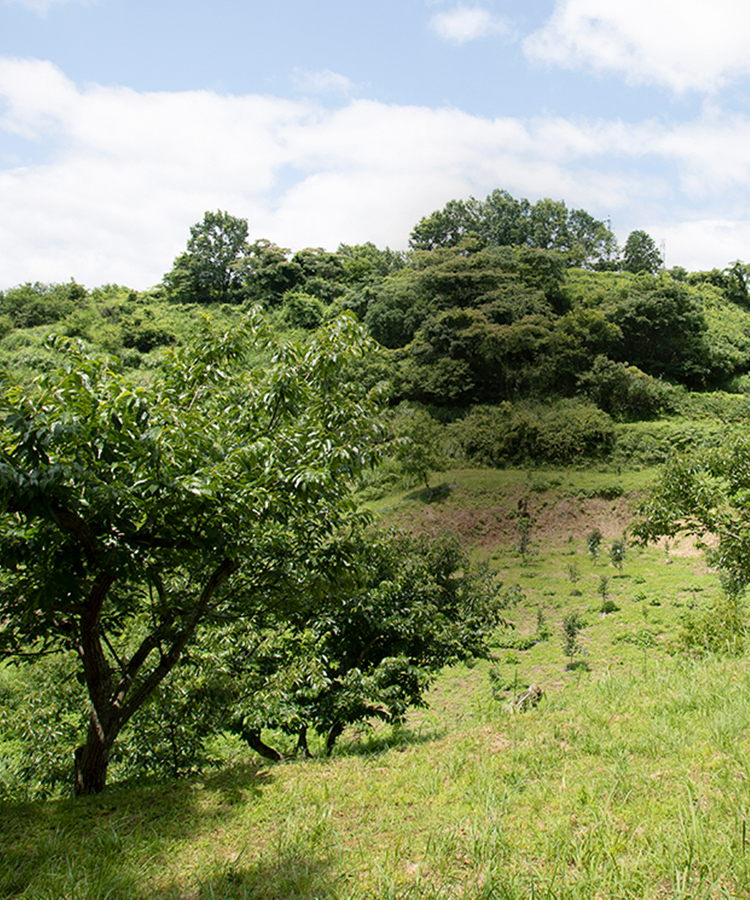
x=323, y=82
x=42, y=7
x=681, y=45
x=706, y=243
x=466, y=23
x=124, y=174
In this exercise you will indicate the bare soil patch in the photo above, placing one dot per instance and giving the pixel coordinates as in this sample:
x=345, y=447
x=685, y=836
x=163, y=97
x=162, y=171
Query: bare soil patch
x=491, y=518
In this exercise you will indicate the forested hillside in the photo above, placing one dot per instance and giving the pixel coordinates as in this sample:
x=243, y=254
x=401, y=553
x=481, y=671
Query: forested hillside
x=524, y=319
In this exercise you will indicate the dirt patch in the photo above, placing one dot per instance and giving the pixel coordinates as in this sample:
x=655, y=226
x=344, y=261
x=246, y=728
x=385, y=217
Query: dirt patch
x=489, y=520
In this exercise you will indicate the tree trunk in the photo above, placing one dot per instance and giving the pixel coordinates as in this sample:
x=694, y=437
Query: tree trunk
x=333, y=736
x=302, y=747
x=253, y=738
x=91, y=760
x=114, y=702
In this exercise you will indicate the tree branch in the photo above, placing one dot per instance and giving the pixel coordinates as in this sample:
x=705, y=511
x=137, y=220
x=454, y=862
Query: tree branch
x=170, y=658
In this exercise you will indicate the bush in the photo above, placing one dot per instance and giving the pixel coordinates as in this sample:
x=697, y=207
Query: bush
x=146, y=337
x=625, y=392
x=43, y=713
x=35, y=304
x=565, y=432
x=720, y=628
x=301, y=310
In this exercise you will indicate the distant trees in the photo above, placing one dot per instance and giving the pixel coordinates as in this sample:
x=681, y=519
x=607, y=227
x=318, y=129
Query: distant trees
x=663, y=331
x=210, y=270
x=502, y=220
x=485, y=306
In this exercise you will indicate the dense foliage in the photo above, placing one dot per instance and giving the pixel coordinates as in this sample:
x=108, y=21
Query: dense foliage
x=131, y=515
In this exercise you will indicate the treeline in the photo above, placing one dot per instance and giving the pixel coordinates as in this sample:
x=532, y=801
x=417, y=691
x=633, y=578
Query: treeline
x=497, y=301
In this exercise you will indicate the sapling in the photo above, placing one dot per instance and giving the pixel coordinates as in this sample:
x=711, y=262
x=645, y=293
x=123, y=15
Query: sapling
x=594, y=541
x=524, y=538
x=617, y=553
x=608, y=605
x=572, y=624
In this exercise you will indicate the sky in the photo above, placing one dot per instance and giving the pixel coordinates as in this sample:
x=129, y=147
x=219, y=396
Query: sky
x=123, y=121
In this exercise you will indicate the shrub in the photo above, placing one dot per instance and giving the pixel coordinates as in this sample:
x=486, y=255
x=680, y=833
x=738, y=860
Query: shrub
x=35, y=304
x=625, y=392
x=301, y=310
x=564, y=432
x=720, y=628
x=145, y=337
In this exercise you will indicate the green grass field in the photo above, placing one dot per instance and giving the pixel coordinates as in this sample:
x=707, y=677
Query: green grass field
x=630, y=779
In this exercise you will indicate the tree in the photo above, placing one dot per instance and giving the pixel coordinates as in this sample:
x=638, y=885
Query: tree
x=421, y=450
x=572, y=625
x=503, y=221
x=270, y=272
x=373, y=650
x=449, y=226
x=130, y=516
x=738, y=283
x=617, y=553
x=663, y=328
x=704, y=493
x=211, y=268
x=640, y=254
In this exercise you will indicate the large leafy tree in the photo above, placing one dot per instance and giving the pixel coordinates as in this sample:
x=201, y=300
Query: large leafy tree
x=640, y=254
x=212, y=267
x=502, y=220
x=370, y=653
x=663, y=330
x=130, y=516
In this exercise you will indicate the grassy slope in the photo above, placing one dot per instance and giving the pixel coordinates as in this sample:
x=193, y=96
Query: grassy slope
x=629, y=780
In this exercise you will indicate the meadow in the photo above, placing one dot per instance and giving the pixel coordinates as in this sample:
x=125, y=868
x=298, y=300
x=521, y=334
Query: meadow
x=630, y=779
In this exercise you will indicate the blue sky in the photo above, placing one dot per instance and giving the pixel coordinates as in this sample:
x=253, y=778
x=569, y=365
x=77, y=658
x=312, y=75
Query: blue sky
x=122, y=121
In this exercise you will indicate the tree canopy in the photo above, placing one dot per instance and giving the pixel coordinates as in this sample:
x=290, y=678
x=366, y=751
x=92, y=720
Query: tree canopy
x=131, y=515
x=502, y=220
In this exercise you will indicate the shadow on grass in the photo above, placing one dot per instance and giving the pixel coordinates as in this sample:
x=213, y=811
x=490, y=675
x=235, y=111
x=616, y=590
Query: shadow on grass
x=57, y=848
x=382, y=742
x=438, y=494
x=297, y=872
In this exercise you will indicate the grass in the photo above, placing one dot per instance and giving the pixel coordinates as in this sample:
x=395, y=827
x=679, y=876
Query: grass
x=631, y=779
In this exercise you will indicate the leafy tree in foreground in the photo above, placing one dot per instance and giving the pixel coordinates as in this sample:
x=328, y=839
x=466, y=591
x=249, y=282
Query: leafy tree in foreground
x=132, y=516
x=369, y=653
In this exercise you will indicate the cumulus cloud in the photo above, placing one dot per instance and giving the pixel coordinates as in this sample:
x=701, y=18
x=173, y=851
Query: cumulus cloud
x=683, y=46
x=466, y=23
x=123, y=174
